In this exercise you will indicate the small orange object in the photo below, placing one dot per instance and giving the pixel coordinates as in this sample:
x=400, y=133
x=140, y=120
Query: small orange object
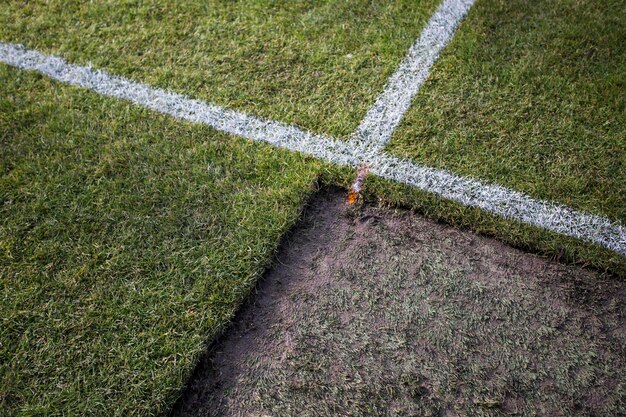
x=352, y=197
x=358, y=184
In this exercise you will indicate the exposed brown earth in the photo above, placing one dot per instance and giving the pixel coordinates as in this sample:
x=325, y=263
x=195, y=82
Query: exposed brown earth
x=371, y=311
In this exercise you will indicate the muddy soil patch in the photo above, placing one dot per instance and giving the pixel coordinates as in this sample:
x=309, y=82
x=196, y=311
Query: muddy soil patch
x=373, y=311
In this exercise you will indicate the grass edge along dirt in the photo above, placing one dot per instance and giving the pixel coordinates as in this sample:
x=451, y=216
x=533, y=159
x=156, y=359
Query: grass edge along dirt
x=415, y=195
x=313, y=342
x=229, y=142
x=523, y=236
x=129, y=241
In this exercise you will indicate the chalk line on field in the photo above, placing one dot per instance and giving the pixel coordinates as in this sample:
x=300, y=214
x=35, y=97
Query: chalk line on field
x=492, y=198
x=503, y=201
x=383, y=117
x=177, y=105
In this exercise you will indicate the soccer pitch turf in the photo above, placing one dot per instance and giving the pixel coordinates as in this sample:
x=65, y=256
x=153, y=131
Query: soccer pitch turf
x=128, y=238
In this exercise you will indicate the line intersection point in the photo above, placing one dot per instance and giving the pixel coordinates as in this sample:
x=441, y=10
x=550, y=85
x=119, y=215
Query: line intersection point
x=368, y=141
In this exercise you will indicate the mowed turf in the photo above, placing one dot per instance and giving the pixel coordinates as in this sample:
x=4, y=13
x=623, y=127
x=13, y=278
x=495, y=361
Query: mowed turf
x=317, y=64
x=530, y=95
x=127, y=240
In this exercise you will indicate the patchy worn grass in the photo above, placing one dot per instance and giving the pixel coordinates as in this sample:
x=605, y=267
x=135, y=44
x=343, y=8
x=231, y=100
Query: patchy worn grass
x=529, y=95
x=127, y=240
x=380, y=313
x=317, y=64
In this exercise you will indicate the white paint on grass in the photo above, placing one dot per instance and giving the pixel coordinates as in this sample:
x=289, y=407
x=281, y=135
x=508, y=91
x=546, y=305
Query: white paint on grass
x=491, y=198
x=384, y=116
x=504, y=202
x=177, y=105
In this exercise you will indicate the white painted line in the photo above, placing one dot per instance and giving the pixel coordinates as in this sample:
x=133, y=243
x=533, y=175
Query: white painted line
x=504, y=202
x=177, y=105
x=384, y=116
x=491, y=198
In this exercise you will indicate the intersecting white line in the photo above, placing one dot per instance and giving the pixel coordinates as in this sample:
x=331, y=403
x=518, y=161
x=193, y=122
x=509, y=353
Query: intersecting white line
x=383, y=117
x=366, y=146
x=492, y=198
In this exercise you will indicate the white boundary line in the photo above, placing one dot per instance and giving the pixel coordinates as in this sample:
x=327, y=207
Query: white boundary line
x=177, y=105
x=491, y=198
x=384, y=116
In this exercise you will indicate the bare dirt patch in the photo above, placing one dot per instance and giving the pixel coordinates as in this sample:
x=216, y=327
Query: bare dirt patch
x=371, y=311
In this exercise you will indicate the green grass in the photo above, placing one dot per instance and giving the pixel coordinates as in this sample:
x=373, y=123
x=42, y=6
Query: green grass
x=529, y=95
x=127, y=240
x=317, y=64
